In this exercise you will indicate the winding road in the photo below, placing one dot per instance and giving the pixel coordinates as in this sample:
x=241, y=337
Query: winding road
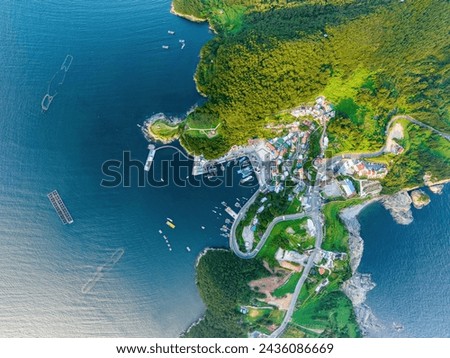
x=314, y=213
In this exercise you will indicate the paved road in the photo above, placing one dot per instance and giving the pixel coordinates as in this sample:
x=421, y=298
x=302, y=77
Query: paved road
x=314, y=213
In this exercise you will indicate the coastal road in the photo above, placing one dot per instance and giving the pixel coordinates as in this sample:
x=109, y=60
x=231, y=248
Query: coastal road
x=249, y=255
x=314, y=213
x=316, y=216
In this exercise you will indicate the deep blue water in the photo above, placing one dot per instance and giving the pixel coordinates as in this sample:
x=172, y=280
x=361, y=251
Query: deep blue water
x=411, y=267
x=120, y=75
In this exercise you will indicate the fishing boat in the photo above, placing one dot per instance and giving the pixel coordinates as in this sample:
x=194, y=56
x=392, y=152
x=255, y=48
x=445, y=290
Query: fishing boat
x=160, y=231
x=203, y=228
x=170, y=224
x=188, y=248
x=170, y=32
x=165, y=47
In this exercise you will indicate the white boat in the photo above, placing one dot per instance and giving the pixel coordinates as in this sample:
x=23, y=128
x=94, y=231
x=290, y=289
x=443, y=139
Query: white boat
x=165, y=47
x=170, y=32
x=165, y=237
x=188, y=248
x=160, y=231
x=203, y=228
x=183, y=45
x=169, y=219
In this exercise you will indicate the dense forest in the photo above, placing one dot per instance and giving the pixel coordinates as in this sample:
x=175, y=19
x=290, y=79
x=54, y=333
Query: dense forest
x=372, y=58
x=222, y=279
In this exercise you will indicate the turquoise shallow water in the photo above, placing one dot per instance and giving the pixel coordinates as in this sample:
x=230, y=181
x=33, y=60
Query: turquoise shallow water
x=411, y=267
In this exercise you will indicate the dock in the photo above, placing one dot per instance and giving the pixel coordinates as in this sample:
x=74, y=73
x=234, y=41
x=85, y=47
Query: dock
x=60, y=207
x=231, y=212
x=151, y=155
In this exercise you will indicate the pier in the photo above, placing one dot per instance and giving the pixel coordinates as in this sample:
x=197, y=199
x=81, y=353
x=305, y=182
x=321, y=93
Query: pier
x=60, y=207
x=231, y=212
x=150, y=157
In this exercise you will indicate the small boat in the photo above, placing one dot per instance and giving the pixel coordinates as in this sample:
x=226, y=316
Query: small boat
x=203, y=228
x=170, y=249
x=170, y=32
x=160, y=231
x=188, y=248
x=169, y=219
x=246, y=179
x=170, y=224
x=183, y=45
x=224, y=203
x=165, y=47
x=165, y=237
x=215, y=212
x=220, y=214
x=181, y=41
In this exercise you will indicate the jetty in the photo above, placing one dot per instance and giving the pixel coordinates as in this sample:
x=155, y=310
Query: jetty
x=150, y=157
x=231, y=212
x=60, y=207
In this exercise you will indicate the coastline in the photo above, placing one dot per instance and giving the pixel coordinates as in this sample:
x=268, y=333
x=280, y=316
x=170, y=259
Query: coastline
x=357, y=287
x=186, y=16
x=202, y=317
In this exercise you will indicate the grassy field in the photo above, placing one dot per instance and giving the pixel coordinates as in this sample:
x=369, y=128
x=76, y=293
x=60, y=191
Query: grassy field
x=163, y=130
x=279, y=237
x=328, y=315
x=336, y=236
x=289, y=286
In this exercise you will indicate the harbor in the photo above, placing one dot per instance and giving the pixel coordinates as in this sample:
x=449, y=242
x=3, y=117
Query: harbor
x=60, y=207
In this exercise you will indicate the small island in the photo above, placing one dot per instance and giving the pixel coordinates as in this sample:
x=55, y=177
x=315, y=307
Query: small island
x=419, y=199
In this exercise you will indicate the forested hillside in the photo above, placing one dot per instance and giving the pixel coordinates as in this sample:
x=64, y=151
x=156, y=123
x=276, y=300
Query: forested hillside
x=372, y=58
x=222, y=279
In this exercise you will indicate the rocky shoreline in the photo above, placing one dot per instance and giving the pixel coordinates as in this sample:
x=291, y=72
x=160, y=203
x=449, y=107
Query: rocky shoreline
x=186, y=16
x=399, y=205
x=419, y=199
x=357, y=287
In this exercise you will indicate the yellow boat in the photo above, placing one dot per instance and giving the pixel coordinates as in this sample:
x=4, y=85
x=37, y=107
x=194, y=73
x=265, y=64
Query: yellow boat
x=170, y=224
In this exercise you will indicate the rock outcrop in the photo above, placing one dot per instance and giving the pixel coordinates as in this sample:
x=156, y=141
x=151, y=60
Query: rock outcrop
x=399, y=205
x=419, y=199
x=437, y=189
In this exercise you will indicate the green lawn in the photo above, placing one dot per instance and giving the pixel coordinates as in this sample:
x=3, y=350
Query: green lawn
x=330, y=312
x=336, y=236
x=279, y=237
x=289, y=285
